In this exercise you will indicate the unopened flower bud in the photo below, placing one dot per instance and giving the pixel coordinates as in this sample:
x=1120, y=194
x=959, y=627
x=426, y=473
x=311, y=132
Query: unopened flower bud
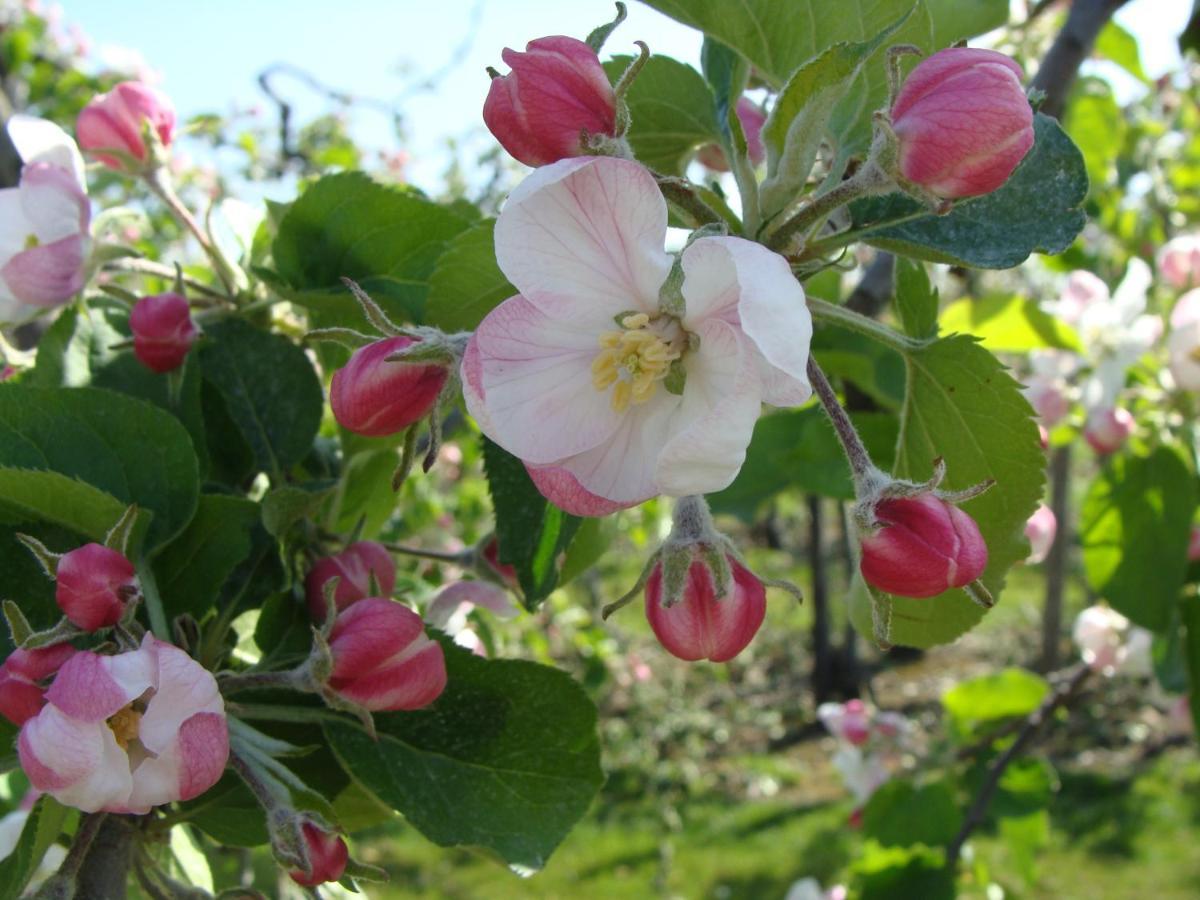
x=503, y=572
x=94, y=585
x=21, y=697
x=847, y=721
x=1193, y=551
x=1179, y=261
x=327, y=857
x=373, y=397
x=1040, y=531
x=752, y=118
x=963, y=122
x=1107, y=430
x=924, y=545
x=556, y=90
x=163, y=331
x=701, y=625
x=382, y=659
x=114, y=121
x=354, y=568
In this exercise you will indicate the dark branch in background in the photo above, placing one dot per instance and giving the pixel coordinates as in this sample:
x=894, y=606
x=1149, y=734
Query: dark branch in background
x=1056, y=559
x=822, y=672
x=1060, y=696
x=1073, y=45
x=875, y=289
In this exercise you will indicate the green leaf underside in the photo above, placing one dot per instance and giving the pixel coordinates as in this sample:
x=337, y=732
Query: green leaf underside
x=507, y=760
x=964, y=407
x=1134, y=527
x=1039, y=209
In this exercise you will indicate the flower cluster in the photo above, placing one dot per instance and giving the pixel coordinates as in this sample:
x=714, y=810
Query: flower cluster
x=869, y=743
x=1110, y=644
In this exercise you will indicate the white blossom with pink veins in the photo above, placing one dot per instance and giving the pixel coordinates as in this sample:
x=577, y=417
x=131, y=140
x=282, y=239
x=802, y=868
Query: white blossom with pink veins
x=44, y=221
x=607, y=398
x=1109, y=643
x=129, y=732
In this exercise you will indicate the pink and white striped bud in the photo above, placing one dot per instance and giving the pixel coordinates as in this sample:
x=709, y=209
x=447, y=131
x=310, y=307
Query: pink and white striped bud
x=382, y=659
x=1040, y=531
x=963, y=122
x=923, y=545
x=1107, y=430
x=354, y=568
x=327, y=857
x=163, y=331
x=556, y=90
x=849, y=721
x=94, y=584
x=129, y=732
x=752, y=119
x=701, y=625
x=21, y=695
x=115, y=121
x=1179, y=261
x=373, y=397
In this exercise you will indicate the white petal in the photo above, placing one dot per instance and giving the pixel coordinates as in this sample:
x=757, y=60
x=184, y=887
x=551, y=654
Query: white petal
x=90, y=770
x=40, y=140
x=184, y=689
x=53, y=203
x=1130, y=296
x=15, y=226
x=584, y=237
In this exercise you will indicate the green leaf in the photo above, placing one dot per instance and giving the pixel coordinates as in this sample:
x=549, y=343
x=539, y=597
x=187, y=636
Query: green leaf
x=532, y=532
x=25, y=582
x=367, y=496
x=812, y=106
x=47, y=820
x=1134, y=527
x=118, y=445
x=991, y=698
x=964, y=407
x=229, y=814
x=797, y=449
x=385, y=238
x=957, y=20
x=876, y=370
x=466, y=283
x=1117, y=45
x=778, y=36
x=289, y=504
x=1037, y=210
x=900, y=814
x=59, y=500
x=591, y=540
x=506, y=760
x=1008, y=324
x=192, y=569
x=916, y=299
x=1097, y=126
x=671, y=111
x=893, y=872
x=270, y=389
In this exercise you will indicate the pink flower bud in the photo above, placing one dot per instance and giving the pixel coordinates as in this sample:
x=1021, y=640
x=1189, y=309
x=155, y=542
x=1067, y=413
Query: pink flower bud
x=1193, y=551
x=1179, y=261
x=963, y=122
x=924, y=546
x=701, y=625
x=114, y=121
x=849, y=722
x=94, y=584
x=382, y=659
x=163, y=331
x=556, y=90
x=1040, y=531
x=21, y=697
x=373, y=397
x=1107, y=430
x=327, y=857
x=1048, y=400
x=752, y=117
x=1100, y=634
x=354, y=567
x=503, y=571
x=1043, y=436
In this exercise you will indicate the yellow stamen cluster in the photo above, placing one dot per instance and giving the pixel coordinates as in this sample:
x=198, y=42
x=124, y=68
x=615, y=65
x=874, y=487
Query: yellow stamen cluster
x=125, y=724
x=635, y=352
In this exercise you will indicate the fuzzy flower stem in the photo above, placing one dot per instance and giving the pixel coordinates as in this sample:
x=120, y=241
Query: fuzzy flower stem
x=159, y=183
x=860, y=460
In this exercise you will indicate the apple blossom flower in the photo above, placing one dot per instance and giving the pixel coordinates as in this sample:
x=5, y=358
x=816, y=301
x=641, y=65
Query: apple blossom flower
x=1179, y=261
x=810, y=889
x=93, y=586
x=1047, y=388
x=115, y=121
x=21, y=695
x=607, y=396
x=1083, y=288
x=1039, y=531
x=752, y=119
x=962, y=122
x=862, y=772
x=1108, y=643
x=129, y=732
x=557, y=90
x=354, y=567
x=373, y=397
x=1107, y=429
x=450, y=609
x=327, y=857
x=1183, y=343
x=44, y=221
x=847, y=721
x=163, y=331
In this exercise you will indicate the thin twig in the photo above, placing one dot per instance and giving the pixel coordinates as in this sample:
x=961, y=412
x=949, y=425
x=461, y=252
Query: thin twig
x=856, y=452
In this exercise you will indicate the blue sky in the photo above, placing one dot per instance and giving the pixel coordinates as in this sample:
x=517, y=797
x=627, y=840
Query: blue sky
x=210, y=52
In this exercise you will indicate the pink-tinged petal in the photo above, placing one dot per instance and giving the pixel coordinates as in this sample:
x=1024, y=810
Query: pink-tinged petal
x=505, y=118
x=710, y=285
x=771, y=308
x=189, y=767
x=721, y=402
x=1185, y=312
x=91, y=688
x=49, y=274
x=41, y=141
x=932, y=73
x=563, y=489
x=534, y=377
x=54, y=204
x=412, y=680
x=78, y=763
x=15, y=227
x=34, y=665
x=184, y=688
x=582, y=239
x=450, y=607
